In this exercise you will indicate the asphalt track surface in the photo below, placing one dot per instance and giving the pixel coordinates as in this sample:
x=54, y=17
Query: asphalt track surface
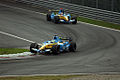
x=98, y=50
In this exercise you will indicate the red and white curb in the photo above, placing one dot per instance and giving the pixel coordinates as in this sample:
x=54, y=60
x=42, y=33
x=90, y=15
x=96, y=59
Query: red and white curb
x=16, y=56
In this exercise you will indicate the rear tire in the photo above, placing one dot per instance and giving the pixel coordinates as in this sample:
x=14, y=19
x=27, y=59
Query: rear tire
x=56, y=19
x=33, y=45
x=48, y=17
x=72, y=47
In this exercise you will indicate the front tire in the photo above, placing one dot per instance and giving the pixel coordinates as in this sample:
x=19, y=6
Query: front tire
x=56, y=19
x=33, y=45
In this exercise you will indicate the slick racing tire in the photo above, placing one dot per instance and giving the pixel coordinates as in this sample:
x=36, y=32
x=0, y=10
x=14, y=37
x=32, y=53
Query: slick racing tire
x=55, y=49
x=75, y=22
x=56, y=19
x=33, y=45
x=72, y=47
x=48, y=17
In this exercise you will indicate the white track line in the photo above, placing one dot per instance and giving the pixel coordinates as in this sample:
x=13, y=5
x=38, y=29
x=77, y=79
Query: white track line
x=11, y=35
x=15, y=56
x=45, y=14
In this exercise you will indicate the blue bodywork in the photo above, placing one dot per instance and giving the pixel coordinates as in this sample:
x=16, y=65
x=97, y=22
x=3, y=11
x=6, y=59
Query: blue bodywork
x=63, y=43
x=67, y=15
x=64, y=46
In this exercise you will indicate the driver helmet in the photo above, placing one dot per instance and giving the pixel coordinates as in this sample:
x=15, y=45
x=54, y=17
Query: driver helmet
x=55, y=37
x=61, y=11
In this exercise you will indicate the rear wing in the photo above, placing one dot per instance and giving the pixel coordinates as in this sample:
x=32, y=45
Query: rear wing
x=70, y=39
x=62, y=38
x=53, y=10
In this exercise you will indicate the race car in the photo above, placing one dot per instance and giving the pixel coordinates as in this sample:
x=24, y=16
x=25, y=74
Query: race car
x=60, y=16
x=54, y=46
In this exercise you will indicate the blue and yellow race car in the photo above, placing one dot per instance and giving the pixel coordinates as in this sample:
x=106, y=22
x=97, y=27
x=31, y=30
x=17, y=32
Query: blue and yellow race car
x=54, y=46
x=60, y=16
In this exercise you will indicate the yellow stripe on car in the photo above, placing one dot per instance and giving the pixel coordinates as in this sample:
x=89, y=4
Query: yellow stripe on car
x=63, y=17
x=48, y=46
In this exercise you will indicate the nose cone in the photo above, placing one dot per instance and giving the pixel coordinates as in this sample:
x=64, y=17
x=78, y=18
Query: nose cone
x=66, y=18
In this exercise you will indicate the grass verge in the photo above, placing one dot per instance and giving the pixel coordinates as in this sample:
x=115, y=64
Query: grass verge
x=37, y=78
x=100, y=23
x=12, y=50
x=65, y=77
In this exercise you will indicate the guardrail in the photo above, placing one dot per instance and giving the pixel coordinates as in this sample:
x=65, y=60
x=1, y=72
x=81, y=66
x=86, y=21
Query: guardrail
x=79, y=10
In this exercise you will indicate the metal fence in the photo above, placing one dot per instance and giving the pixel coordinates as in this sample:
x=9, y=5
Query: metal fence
x=84, y=11
x=111, y=5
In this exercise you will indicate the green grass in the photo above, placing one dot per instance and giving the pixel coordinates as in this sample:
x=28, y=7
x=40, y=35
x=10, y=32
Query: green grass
x=65, y=77
x=12, y=50
x=100, y=23
x=37, y=78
